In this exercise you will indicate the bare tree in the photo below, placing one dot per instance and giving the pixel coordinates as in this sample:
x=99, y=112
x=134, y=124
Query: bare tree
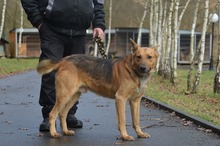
x=151, y=22
x=167, y=60
x=176, y=22
x=109, y=27
x=202, y=49
x=182, y=13
x=161, y=58
x=192, y=50
x=174, y=42
x=141, y=24
x=3, y=17
x=21, y=29
x=217, y=74
x=159, y=38
x=154, y=15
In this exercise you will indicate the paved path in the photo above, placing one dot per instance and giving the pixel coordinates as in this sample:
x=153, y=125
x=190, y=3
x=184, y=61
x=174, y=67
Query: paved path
x=20, y=117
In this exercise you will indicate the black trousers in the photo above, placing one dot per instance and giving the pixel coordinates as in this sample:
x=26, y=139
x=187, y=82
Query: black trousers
x=55, y=46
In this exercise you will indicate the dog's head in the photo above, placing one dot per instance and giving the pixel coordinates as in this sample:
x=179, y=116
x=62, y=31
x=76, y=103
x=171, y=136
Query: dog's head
x=143, y=59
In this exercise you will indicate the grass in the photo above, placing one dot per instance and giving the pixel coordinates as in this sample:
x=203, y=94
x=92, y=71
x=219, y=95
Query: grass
x=204, y=104
x=12, y=66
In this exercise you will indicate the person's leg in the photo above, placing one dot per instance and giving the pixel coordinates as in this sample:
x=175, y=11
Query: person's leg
x=51, y=48
x=75, y=45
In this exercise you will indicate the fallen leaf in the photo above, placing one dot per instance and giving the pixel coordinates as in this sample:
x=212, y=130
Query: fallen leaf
x=117, y=143
x=23, y=129
x=40, y=135
x=118, y=137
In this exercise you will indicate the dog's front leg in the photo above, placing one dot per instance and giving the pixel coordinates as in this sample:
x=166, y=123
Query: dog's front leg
x=135, y=112
x=120, y=109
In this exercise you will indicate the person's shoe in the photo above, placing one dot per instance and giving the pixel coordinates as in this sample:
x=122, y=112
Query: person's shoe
x=45, y=125
x=73, y=122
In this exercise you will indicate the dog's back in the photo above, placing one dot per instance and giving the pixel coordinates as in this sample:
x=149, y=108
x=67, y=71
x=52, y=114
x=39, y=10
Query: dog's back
x=95, y=74
x=97, y=68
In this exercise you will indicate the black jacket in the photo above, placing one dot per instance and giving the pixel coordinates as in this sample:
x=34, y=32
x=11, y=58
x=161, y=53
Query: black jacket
x=66, y=14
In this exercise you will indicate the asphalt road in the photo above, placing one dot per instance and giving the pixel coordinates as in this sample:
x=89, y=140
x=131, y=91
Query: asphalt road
x=20, y=116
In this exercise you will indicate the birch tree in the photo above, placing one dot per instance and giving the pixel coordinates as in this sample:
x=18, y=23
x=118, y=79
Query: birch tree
x=161, y=64
x=154, y=22
x=3, y=17
x=141, y=23
x=217, y=74
x=202, y=49
x=109, y=27
x=159, y=38
x=21, y=29
x=182, y=13
x=176, y=22
x=168, y=43
x=192, y=50
x=151, y=21
x=174, y=42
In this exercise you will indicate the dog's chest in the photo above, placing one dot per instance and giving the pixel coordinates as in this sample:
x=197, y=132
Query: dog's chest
x=142, y=86
x=143, y=82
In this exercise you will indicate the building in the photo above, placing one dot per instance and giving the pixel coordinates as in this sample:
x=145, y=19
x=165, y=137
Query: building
x=120, y=46
x=3, y=43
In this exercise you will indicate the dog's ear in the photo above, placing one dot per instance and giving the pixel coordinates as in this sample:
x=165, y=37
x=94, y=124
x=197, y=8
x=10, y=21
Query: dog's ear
x=156, y=49
x=134, y=45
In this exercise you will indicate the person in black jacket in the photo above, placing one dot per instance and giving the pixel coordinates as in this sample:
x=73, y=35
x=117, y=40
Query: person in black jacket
x=62, y=26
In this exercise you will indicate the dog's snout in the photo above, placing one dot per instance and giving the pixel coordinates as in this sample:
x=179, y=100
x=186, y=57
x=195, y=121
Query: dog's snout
x=143, y=67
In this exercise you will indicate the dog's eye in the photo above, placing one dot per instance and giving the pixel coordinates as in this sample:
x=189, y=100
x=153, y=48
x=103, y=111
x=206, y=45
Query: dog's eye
x=149, y=57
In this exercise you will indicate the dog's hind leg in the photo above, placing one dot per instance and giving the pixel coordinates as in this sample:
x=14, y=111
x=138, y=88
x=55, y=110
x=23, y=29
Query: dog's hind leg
x=54, y=113
x=64, y=94
x=64, y=112
x=135, y=112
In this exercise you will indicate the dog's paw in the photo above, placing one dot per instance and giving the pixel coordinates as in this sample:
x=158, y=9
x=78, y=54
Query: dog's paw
x=128, y=138
x=143, y=135
x=69, y=132
x=56, y=135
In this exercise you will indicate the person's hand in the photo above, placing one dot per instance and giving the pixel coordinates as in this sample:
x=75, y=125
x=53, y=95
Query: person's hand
x=98, y=32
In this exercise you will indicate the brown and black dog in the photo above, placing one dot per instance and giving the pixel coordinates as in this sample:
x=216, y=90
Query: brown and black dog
x=123, y=80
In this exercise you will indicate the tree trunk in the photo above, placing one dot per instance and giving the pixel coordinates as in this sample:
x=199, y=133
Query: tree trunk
x=3, y=18
x=155, y=22
x=141, y=24
x=164, y=40
x=21, y=30
x=174, y=42
x=159, y=38
x=182, y=13
x=217, y=75
x=168, y=44
x=151, y=22
x=192, y=52
x=217, y=78
x=201, y=55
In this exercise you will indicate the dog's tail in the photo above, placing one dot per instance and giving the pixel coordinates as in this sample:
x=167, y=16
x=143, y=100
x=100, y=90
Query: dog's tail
x=47, y=66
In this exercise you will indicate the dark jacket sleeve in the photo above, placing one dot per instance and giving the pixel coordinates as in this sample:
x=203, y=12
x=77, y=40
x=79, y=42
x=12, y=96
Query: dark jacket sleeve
x=99, y=18
x=32, y=10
